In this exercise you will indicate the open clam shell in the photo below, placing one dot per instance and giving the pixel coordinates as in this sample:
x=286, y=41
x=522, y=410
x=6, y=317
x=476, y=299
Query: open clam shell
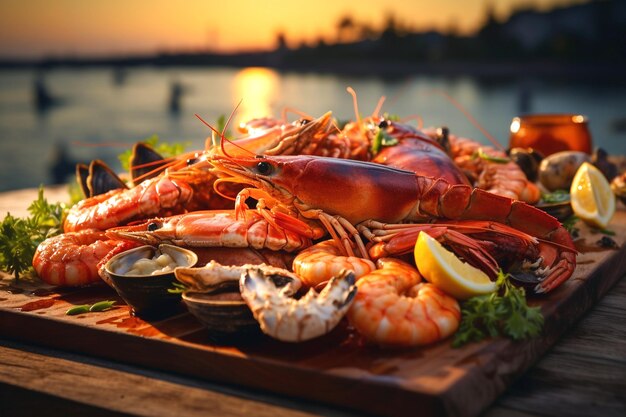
x=148, y=295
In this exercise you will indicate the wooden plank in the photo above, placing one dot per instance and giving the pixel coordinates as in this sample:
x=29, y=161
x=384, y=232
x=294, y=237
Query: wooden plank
x=119, y=391
x=601, y=333
x=571, y=378
x=336, y=369
x=549, y=390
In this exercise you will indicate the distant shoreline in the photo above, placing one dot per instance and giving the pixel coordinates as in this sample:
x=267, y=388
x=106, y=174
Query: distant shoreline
x=590, y=72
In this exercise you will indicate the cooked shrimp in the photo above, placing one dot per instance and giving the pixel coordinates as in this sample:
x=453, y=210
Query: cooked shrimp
x=319, y=263
x=393, y=307
x=73, y=258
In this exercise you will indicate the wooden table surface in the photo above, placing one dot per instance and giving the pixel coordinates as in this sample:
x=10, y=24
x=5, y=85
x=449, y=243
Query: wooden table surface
x=583, y=374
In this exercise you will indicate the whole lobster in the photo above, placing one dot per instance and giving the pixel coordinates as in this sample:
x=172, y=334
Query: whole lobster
x=346, y=195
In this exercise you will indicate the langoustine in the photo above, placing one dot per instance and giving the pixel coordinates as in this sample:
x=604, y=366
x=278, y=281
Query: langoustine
x=187, y=182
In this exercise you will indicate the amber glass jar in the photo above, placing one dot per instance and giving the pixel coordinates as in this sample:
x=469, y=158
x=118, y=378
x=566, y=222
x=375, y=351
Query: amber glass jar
x=550, y=133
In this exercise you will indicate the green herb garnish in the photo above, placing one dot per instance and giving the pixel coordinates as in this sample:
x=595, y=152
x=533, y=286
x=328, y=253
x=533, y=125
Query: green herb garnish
x=570, y=223
x=391, y=117
x=504, y=312
x=178, y=288
x=81, y=309
x=165, y=149
x=558, y=196
x=480, y=153
x=19, y=237
x=90, y=308
x=101, y=306
x=381, y=139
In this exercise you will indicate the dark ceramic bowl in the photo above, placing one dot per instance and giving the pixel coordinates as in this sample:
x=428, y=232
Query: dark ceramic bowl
x=148, y=295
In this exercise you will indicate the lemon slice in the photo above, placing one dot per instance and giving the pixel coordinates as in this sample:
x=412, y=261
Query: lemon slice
x=447, y=272
x=591, y=195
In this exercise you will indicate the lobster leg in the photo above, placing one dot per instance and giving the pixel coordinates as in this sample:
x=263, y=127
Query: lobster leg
x=556, y=249
x=477, y=242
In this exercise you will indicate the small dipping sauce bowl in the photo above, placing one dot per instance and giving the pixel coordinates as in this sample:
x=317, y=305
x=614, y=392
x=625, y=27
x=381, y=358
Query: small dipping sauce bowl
x=551, y=133
x=148, y=295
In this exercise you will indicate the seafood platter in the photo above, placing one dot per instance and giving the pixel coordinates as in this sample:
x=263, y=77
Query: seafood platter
x=349, y=262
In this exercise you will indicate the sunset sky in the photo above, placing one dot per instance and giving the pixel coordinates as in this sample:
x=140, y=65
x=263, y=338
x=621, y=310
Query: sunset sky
x=39, y=28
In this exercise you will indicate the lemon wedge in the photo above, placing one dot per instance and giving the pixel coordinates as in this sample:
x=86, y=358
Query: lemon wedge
x=591, y=196
x=443, y=269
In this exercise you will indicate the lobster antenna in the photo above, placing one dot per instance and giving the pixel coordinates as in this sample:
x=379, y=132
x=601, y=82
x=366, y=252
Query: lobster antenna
x=417, y=118
x=355, y=103
x=222, y=137
x=379, y=106
x=469, y=117
x=294, y=111
x=232, y=113
x=99, y=145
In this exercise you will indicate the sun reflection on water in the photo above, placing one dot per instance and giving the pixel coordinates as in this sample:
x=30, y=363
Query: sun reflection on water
x=257, y=88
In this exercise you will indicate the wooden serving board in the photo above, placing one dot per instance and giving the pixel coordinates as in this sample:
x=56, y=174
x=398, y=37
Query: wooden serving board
x=337, y=369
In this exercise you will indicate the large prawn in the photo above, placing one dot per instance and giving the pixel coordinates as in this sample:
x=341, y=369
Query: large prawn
x=186, y=183
x=375, y=196
x=74, y=258
x=394, y=307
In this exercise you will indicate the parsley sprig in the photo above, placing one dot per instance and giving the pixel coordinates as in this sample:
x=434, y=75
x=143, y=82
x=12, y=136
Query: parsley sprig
x=19, y=237
x=504, y=312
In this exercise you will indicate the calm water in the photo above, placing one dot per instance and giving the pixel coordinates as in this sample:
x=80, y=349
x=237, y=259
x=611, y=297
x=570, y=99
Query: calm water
x=100, y=115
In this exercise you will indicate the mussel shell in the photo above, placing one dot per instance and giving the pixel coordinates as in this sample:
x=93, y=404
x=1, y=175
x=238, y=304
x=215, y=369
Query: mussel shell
x=148, y=295
x=561, y=210
x=526, y=281
x=600, y=159
x=528, y=160
x=145, y=163
x=82, y=173
x=102, y=179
